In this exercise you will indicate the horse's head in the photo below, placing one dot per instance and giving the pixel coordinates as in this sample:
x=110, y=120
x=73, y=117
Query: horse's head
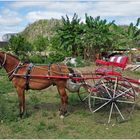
x=3, y=57
x=8, y=61
x=74, y=73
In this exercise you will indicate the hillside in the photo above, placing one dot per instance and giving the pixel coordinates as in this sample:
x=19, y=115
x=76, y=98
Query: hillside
x=41, y=27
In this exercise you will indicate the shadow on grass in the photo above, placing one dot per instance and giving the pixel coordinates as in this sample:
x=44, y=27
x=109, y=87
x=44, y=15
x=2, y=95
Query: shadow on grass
x=54, y=107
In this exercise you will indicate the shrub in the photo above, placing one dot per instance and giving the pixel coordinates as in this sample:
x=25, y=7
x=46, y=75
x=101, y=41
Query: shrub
x=55, y=57
x=35, y=59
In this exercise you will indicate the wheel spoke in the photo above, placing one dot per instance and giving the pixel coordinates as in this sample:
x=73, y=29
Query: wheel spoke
x=101, y=98
x=119, y=111
x=122, y=93
x=86, y=97
x=106, y=89
x=101, y=106
x=122, y=101
x=115, y=87
x=110, y=112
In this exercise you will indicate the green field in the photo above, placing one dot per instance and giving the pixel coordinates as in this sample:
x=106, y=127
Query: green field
x=42, y=119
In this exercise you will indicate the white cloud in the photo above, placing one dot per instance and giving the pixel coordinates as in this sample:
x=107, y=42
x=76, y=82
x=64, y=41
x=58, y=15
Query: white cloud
x=36, y=15
x=115, y=9
x=102, y=8
x=23, y=4
x=10, y=21
x=99, y=8
x=9, y=18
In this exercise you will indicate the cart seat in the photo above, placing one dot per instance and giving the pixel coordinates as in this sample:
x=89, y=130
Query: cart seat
x=109, y=67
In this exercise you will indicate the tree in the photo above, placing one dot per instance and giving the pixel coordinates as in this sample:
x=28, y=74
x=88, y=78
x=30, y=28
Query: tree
x=40, y=43
x=19, y=45
x=97, y=36
x=70, y=34
x=132, y=35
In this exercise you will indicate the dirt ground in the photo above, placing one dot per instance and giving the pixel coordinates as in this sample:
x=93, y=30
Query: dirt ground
x=90, y=68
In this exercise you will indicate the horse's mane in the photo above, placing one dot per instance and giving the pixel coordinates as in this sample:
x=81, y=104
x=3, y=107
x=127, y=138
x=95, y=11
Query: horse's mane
x=12, y=55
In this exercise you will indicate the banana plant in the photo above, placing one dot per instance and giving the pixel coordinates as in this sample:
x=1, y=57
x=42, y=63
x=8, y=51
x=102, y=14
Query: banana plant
x=98, y=36
x=70, y=34
x=131, y=35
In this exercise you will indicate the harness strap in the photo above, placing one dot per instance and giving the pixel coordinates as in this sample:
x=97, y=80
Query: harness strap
x=49, y=68
x=60, y=69
x=14, y=71
x=27, y=75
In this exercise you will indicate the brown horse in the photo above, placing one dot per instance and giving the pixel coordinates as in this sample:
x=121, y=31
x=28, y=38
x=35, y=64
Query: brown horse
x=14, y=67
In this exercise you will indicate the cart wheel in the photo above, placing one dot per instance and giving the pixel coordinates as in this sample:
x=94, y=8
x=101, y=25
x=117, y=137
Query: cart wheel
x=83, y=93
x=114, y=100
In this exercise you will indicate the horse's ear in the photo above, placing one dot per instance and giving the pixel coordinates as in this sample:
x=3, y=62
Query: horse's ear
x=26, y=61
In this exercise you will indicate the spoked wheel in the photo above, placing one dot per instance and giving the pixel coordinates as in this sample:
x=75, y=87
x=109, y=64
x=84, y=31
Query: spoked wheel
x=114, y=100
x=83, y=93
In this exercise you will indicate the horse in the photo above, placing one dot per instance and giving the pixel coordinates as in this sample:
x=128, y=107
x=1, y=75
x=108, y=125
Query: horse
x=20, y=75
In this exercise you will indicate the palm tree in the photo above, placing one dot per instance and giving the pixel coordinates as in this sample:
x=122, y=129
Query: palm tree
x=132, y=35
x=97, y=35
x=70, y=34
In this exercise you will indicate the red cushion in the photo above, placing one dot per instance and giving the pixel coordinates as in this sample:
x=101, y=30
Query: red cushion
x=118, y=61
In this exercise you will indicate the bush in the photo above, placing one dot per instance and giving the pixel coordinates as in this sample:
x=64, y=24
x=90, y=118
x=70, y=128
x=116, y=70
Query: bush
x=55, y=57
x=36, y=59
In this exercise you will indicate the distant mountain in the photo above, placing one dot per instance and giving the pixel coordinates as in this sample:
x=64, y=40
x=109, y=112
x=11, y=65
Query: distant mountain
x=6, y=37
x=44, y=27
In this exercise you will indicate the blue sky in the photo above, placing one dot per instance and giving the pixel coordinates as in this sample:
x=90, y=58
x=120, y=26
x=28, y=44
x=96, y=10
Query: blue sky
x=16, y=15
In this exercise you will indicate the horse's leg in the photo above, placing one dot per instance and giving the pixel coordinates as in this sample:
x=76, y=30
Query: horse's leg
x=21, y=97
x=64, y=101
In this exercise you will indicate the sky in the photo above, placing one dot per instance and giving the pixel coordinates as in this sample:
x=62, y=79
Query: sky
x=15, y=16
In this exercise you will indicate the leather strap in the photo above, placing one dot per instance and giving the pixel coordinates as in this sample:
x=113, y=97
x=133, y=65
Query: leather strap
x=27, y=75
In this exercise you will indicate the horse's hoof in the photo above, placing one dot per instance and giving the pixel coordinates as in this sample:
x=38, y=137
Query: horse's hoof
x=61, y=116
x=21, y=116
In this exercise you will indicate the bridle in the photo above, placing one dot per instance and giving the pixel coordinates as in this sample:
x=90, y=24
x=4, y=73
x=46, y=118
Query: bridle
x=14, y=70
x=3, y=63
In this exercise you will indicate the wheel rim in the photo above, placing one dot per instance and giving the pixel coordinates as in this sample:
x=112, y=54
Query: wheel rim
x=83, y=93
x=115, y=99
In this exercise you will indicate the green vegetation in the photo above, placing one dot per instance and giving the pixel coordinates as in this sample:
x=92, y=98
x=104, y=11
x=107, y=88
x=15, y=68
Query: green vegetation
x=6, y=85
x=49, y=41
x=42, y=119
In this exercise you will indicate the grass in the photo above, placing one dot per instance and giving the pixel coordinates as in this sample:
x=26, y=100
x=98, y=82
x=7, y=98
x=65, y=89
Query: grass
x=5, y=86
x=42, y=120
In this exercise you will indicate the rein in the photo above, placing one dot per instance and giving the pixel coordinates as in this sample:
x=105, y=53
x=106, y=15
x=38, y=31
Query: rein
x=5, y=57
